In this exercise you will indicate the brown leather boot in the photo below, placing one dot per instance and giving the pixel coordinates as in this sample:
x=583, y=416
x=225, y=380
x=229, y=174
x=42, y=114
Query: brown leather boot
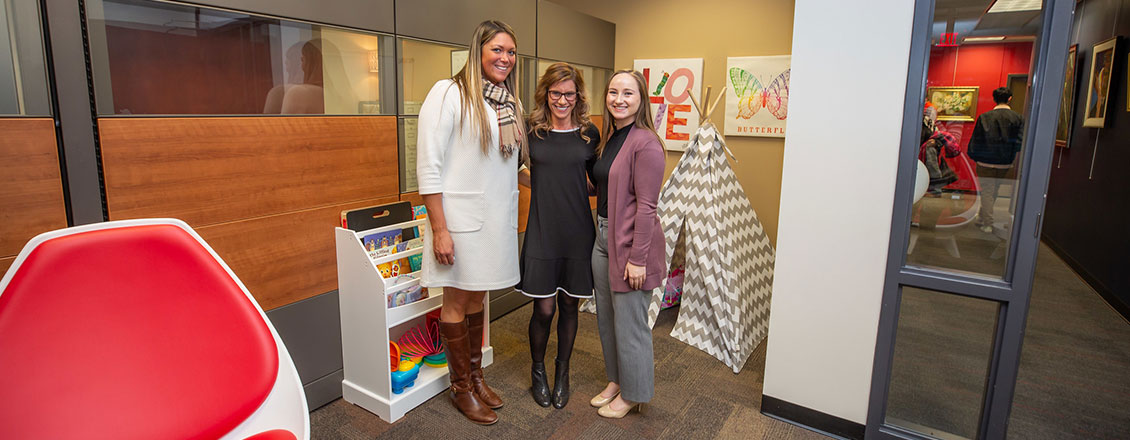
x=475, y=334
x=463, y=397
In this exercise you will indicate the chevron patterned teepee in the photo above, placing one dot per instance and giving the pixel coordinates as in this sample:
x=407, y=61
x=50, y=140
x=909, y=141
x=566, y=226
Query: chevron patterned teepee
x=728, y=260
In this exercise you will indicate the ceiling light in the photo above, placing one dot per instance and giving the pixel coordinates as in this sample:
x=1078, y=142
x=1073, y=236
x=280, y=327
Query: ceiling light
x=976, y=39
x=1015, y=6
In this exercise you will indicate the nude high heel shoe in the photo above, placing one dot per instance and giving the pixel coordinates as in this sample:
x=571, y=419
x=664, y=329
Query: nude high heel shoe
x=600, y=401
x=606, y=411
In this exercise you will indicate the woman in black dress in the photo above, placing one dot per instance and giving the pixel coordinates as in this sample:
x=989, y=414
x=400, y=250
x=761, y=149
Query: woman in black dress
x=556, y=255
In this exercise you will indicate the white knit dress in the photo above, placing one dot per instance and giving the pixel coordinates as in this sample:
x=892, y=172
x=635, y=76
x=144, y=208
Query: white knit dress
x=480, y=194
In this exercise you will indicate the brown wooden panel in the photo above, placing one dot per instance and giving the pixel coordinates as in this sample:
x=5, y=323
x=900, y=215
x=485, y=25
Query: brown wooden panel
x=31, y=189
x=413, y=197
x=284, y=258
x=5, y=263
x=215, y=170
x=523, y=207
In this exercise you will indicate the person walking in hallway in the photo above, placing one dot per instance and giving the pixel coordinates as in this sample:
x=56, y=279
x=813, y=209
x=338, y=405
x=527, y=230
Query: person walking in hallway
x=994, y=144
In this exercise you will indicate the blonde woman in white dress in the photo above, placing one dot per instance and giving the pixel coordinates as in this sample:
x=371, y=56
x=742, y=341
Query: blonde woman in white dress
x=471, y=140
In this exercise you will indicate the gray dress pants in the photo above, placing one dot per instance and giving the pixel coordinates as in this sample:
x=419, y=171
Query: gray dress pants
x=621, y=318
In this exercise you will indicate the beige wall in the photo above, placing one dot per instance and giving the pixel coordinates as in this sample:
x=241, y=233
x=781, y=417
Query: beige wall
x=711, y=30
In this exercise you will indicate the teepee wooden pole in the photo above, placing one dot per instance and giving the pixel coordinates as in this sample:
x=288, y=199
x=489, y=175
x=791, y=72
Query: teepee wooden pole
x=710, y=111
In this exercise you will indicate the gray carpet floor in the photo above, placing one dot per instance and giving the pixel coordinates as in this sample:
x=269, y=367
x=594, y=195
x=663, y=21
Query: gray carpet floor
x=1074, y=380
x=696, y=397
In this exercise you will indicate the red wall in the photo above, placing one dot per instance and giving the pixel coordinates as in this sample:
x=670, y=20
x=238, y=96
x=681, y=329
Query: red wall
x=986, y=66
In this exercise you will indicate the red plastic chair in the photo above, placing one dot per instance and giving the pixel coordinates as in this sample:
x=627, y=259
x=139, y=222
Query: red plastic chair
x=137, y=330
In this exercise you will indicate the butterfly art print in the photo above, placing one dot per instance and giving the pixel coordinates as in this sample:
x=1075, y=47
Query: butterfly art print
x=757, y=101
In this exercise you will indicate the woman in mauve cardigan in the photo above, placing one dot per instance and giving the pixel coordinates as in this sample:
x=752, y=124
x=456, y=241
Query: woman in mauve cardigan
x=628, y=256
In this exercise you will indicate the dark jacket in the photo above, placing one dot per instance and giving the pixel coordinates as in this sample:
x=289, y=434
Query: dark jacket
x=996, y=137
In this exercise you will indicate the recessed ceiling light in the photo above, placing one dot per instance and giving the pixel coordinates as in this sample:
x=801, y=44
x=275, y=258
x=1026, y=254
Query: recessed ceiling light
x=1015, y=6
x=974, y=39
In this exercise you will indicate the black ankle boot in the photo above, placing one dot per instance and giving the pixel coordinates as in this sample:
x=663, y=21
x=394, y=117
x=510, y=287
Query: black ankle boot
x=561, y=384
x=540, y=389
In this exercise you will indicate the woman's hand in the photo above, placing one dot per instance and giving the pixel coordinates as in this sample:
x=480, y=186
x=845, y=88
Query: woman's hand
x=634, y=275
x=443, y=247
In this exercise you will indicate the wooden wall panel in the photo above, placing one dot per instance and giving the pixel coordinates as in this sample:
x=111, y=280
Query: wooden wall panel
x=5, y=263
x=523, y=204
x=31, y=189
x=287, y=257
x=413, y=197
x=214, y=170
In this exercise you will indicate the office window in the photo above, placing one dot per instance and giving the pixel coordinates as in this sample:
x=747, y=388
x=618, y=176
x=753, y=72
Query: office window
x=163, y=58
x=23, y=77
x=422, y=64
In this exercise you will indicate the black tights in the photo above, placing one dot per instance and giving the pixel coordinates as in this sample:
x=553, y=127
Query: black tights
x=566, y=326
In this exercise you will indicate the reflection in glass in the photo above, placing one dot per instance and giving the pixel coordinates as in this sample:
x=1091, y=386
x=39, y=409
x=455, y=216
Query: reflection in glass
x=528, y=76
x=422, y=64
x=164, y=58
x=971, y=136
x=407, y=126
x=23, y=77
x=943, y=348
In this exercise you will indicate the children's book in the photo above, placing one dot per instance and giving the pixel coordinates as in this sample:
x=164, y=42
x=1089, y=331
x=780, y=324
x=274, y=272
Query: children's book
x=408, y=295
x=382, y=243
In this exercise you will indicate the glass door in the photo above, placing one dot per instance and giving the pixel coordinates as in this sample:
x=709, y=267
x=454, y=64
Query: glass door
x=984, y=82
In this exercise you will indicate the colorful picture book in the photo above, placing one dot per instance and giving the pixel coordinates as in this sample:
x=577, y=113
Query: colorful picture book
x=381, y=243
x=393, y=269
x=407, y=295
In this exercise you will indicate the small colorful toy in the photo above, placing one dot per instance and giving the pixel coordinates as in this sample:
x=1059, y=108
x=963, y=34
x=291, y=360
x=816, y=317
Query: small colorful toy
x=416, y=343
x=438, y=360
x=673, y=291
x=394, y=355
x=405, y=376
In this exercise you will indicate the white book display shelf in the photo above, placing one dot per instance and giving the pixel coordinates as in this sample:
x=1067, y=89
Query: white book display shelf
x=368, y=324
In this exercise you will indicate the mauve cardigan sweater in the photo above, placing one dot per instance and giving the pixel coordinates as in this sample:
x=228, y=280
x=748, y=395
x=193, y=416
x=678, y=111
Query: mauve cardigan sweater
x=634, y=234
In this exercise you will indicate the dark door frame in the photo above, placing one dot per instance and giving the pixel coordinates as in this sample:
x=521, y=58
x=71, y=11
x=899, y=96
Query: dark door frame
x=1012, y=292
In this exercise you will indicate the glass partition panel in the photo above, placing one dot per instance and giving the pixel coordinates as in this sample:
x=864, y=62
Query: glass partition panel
x=943, y=349
x=528, y=76
x=979, y=71
x=407, y=126
x=422, y=64
x=164, y=58
x=595, y=80
x=23, y=74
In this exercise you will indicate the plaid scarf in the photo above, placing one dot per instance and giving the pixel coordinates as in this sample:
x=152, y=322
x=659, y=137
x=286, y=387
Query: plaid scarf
x=503, y=102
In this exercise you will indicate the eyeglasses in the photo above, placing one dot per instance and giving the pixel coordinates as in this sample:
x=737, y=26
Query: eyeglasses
x=555, y=95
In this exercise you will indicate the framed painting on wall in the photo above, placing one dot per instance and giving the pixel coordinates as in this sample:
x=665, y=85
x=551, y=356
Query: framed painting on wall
x=1067, y=102
x=1098, y=86
x=757, y=101
x=670, y=85
x=954, y=103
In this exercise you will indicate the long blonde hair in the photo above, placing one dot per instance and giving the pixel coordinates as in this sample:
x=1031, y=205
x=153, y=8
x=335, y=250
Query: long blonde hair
x=470, y=82
x=643, y=115
x=541, y=118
